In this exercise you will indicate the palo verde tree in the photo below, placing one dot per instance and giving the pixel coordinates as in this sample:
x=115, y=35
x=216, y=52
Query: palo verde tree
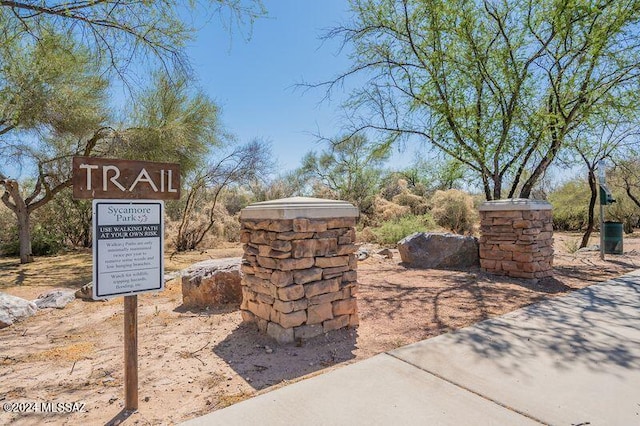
x=121, y=33
x=497, y=85
x=52, y=91
x=171, y=121
x=174, y=122
x=51, y=107
x=350, y=169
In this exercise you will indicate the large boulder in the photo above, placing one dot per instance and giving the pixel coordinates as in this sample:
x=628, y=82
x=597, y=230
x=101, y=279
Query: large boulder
x=14, y=309
x=439, y=251
x=211, y=283
x=56, y=298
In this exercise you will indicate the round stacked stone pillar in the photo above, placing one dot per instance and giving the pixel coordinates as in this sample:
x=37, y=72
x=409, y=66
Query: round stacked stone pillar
x=517, y=238
x=299, y=267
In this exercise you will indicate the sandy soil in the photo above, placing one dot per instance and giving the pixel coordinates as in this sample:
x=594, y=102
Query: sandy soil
x=191, y=363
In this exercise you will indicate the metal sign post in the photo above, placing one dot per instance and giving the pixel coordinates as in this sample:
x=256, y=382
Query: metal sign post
x=128, y=238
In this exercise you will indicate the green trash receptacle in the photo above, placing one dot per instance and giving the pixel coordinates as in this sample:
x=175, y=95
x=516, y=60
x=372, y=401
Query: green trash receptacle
x=613, y=238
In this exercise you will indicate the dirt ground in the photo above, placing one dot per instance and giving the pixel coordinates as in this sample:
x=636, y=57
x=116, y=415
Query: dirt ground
x=192, y=363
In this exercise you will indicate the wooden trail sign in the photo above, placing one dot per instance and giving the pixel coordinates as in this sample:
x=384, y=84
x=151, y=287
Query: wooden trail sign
x=129, y=179
x=128, y=241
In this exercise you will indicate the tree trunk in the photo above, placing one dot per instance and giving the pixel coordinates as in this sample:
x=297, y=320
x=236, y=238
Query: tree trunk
x=24, y=233
x=21, y=210
x=591, y=211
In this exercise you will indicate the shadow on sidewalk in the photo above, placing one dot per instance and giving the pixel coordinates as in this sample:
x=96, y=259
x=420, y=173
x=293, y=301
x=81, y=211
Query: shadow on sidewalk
x=590, y=326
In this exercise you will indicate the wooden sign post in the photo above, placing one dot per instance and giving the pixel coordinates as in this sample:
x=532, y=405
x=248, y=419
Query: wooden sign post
x=131, y=353
x=128, y=238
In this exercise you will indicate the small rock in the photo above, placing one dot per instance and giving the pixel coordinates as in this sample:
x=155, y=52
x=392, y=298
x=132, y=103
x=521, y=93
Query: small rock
x=147, y=399
x=171, y=275
x=386, y=253
x=362, y=254
x=589, y=248
x=85, y=292
x=268, y=350
x=56, y=298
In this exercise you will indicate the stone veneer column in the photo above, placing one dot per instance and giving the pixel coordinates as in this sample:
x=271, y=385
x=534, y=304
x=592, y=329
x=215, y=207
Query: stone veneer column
x=516, y=238
x=299, y=267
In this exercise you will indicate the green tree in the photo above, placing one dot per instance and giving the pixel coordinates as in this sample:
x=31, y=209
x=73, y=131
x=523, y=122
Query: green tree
x=171, y=121
x=349, y=170
x=52, y=91
x=625, y=176
x=496, y=85
x=596, y=140
x=51, y=108
x=120, y=33
x=570, y=205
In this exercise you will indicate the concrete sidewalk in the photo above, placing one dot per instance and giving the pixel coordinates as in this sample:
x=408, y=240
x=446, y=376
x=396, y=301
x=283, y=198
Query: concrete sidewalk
x=573, y=360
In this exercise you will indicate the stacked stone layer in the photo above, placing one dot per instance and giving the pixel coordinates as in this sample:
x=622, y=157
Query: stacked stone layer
x=517, y=243
x=300, y=276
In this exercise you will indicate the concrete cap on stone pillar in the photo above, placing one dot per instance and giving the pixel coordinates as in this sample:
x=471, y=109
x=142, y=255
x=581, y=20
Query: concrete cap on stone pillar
x=299, y=207
x=514, y=204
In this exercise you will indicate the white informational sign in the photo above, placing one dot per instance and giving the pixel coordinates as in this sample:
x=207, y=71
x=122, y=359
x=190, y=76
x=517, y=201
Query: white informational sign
x=128, y=247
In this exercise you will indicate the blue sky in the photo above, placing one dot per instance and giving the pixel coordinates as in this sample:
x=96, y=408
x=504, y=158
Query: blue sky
x=255, y=81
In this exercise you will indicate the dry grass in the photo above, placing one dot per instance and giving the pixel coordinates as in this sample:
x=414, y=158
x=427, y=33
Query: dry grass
x=67, y=270
x=73, y=352
x=227, y=400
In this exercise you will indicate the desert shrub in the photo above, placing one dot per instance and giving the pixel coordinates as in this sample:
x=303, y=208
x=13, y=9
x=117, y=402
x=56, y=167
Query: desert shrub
x=235, y=200
x=391, y=186
x=9, y=245
x=231, y=229
x=453, y=210
x=8, y=230
x=392, y=231
x=570, y=205
x=416, y=203
x=365, y=235
x=70, y=219
x=572, y=245
x=388, y=210
x=225, y=227
x=43, y=242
